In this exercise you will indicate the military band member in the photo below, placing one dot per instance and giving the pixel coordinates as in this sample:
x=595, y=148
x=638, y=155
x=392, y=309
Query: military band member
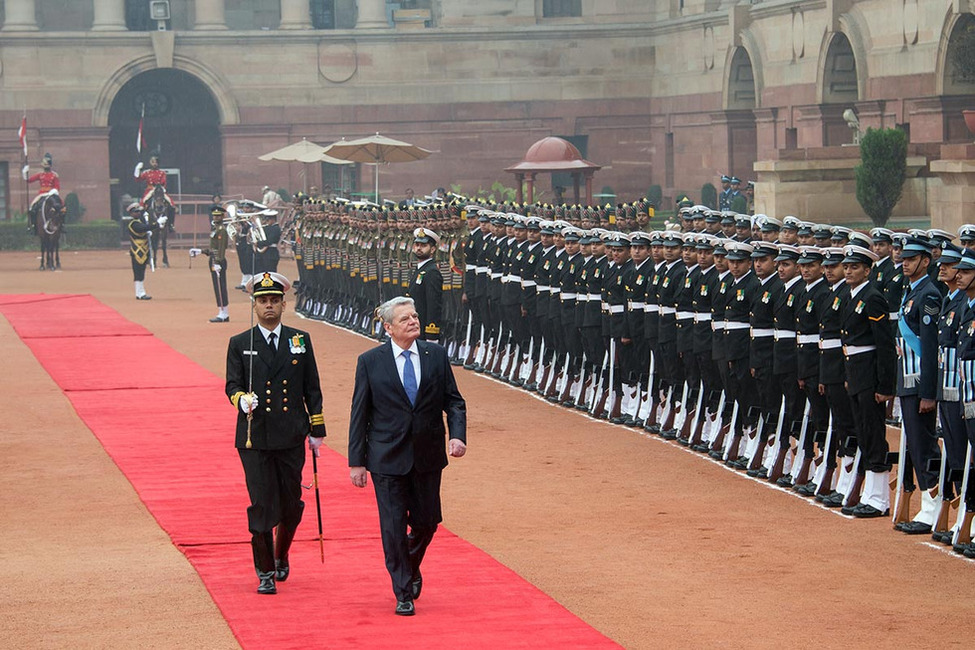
x=140, y=246
x=426, y=284
x=871, y=377
x=217, y=253
x=47, y=180
x=272, y=380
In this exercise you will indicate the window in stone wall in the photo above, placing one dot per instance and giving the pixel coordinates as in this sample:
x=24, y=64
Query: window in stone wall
x=63, y=15
x=342, y=180
x=4, y=194
x=561, y=8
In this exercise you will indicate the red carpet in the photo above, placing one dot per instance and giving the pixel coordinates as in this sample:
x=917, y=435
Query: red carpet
x=174, y=444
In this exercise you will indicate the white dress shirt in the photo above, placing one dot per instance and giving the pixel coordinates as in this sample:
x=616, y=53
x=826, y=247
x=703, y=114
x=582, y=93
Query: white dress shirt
x=401, y=362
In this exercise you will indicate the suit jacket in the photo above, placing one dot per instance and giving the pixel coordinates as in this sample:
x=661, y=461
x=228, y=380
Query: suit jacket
x=388, y=435
x=287, y=387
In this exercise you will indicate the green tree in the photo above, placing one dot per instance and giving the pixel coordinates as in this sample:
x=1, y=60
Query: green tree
x=655, y=195
x=709, y=196
x=881, y=172
x=74, y=210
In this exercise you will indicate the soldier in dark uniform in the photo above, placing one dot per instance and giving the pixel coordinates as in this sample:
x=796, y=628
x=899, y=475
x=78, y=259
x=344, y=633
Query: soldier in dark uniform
x=949, y=413
x=266, y=252
x=670, y=369
x=614, y=295
x=636, y=363
x=217, y=253
x=740, y=387
x=702, y=295
x=719, y=291
x=684, y=305
x=469, y=298
x=140, y=247
x=871, y=377
x=532, y=340
x=426, y=285
x=762, y=322
x=832, y=378
x=917, y=381
x=543, y=290
x=278, y=362
x=965, y=280
x=810, y=306
x=590, y=328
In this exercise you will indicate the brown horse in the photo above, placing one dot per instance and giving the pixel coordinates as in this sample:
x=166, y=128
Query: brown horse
x=162, y=216
x=50, y=222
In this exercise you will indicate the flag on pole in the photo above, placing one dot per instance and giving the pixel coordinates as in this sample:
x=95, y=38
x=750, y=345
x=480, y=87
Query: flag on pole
x=139, y=140
x=22, y=134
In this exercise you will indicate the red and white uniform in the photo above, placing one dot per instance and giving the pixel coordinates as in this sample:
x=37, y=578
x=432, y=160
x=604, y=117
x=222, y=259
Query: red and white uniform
x=48, y=180
x=153, y=177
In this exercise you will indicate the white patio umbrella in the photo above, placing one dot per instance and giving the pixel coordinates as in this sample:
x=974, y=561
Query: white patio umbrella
x=376, y=149
x=305, y=151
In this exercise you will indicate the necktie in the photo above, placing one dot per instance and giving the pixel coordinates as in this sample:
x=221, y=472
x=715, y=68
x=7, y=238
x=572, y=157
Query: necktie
x=272, y=341
x=409, y=377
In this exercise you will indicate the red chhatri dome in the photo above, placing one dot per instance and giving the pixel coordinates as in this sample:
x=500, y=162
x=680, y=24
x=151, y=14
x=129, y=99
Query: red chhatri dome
x=552, y=149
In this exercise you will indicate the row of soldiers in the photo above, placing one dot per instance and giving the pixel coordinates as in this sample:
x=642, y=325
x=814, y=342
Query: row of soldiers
x=759, y=347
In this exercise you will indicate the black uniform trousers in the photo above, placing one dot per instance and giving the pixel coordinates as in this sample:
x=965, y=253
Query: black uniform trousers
x=412, y=499
x=871, y=425
x=273, y=478
x=220, y=284
x=955, y=439
x=138, y=270
x=922, y=441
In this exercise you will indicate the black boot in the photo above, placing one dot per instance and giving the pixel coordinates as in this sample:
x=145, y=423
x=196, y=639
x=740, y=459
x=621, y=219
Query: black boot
x=262, y=545
x=281, y=546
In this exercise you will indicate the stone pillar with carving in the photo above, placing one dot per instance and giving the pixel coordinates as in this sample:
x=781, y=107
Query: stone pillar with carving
x=20, y=16
x=372, y=15
x=295, y=15
x=209, y=15
x=109, y=16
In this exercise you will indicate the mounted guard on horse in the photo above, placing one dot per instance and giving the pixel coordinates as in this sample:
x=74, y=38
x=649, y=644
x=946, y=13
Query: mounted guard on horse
x=49, y=182
x=49, y=208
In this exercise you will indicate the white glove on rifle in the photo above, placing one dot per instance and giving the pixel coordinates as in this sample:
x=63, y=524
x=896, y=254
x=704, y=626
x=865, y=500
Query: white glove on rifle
x=217, y=268
x=25, y=171
x=247, y=402
x=162, y=221
x=138, y=170
x=314, y=444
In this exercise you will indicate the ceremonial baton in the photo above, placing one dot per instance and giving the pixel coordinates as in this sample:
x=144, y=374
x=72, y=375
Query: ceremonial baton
x=318, y=503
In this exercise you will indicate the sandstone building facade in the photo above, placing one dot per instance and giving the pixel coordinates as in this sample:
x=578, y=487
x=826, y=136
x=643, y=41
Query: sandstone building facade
x=657, y=92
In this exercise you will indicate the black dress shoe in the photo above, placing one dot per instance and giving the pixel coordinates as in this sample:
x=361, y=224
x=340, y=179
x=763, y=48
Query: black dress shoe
x=405, y=608
x=220, y=319
x=807, y=490
x=784, y=481
x=970, y=551
x=834, y=500
x=716, y=454
x=144, y=297
x=915, y=528
x=266, y=585
x=281, y=570
x=653, y=428
x=701, y=447
x=416, y=586
x=943, y=536
x=960, y=548
x=669, y=434
x=866, y=511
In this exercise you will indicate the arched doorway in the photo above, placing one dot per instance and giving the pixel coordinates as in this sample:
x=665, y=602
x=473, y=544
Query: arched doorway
x=738, y=124
x=840, y=73
x=181, y=124
x=958, y=81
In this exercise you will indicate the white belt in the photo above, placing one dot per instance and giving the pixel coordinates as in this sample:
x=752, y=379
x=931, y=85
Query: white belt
x=543, y=288
x=761, y=332
x=527, y=284
x=480, y=269
x=556, y=291
x=651, y=308
x=717, y=325
x=582, y=298
x=495, y=276
x=850, y=350
x=514, y=278
x=616, y=309
x=604, y=305
x=702, y=318
x=595, y=296
x=806, y=339
x=735, y=325
x=685, y=315
x=568, y=296
x=666, y=311
x=637, y=305
x=830, y=344
x=783, y=334
x=894, y=315
x=470, y=267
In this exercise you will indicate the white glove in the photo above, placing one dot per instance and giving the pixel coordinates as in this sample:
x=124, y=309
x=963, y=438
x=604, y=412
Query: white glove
x=138, y=170
x=247, y=402
x=217, y=268
x=314, y=444
x=162, y=221
x=25, y=171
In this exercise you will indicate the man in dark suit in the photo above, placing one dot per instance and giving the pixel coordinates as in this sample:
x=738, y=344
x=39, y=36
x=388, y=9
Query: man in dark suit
x=402, y=390
x=278, y=362
x=426, y=284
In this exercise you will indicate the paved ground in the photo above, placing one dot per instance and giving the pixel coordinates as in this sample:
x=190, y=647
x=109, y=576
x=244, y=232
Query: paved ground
x=653, y=545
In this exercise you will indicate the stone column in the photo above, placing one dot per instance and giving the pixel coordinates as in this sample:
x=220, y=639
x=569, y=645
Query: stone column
x=372, y=15
x=295, y=15
x=21, y=16
x=209, y=15
x=109, y=16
